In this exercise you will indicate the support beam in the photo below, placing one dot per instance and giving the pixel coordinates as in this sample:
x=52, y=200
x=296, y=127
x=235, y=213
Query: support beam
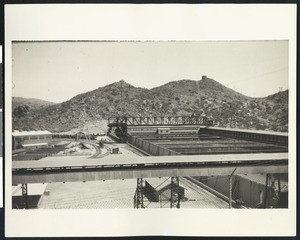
x=175, y=197
x=76, y=170
x=139, y=198
x=80, y=175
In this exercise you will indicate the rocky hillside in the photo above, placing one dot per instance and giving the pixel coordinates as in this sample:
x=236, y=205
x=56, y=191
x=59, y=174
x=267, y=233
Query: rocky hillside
x=185, y=97
x=32, y=103
x=22, y=106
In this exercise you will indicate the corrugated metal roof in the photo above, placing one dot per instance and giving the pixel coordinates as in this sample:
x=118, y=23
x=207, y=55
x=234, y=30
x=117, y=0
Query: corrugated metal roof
x=30, y=133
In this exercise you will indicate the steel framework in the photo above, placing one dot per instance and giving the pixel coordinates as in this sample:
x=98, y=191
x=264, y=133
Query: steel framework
x=139, y=198
x=152, y=121
x=175, y=197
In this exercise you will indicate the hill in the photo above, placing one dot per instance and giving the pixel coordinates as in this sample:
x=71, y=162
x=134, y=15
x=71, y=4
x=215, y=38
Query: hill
x=22, y=106
x=33, y=103
x=184, y=97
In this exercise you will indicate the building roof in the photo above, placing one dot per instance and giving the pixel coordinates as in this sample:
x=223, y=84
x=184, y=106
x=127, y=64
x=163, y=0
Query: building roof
x=17, y=133
x=34, y=144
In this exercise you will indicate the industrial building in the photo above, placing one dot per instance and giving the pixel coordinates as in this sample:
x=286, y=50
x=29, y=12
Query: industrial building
x=30, y=139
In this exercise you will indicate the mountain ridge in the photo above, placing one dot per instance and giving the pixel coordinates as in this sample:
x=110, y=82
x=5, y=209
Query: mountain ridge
x=181, y=97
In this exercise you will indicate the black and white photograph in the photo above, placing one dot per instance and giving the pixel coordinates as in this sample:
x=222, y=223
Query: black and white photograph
x=149, y=120
x=150, y=124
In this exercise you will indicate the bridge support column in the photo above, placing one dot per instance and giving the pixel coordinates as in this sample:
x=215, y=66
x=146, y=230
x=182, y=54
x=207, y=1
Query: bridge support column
x=175, y=198
x=139, y=198
x=24, y=188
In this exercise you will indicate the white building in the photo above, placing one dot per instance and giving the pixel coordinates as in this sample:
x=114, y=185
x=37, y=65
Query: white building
x=30, y=139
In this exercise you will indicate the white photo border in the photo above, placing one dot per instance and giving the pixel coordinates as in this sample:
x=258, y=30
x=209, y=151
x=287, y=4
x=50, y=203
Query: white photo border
x=192, y=22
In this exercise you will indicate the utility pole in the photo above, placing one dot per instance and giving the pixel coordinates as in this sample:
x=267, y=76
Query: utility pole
x=230, y=188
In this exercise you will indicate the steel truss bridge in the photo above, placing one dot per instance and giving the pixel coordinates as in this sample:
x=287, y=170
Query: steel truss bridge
x=159, y=121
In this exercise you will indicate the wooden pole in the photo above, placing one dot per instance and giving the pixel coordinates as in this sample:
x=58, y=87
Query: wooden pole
x=230, y=187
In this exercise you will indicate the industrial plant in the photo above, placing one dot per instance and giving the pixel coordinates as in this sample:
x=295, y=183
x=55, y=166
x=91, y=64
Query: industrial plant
x=151, y=162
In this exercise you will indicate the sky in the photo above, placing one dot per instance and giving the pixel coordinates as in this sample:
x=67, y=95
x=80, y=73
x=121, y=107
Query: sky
x=58, y=71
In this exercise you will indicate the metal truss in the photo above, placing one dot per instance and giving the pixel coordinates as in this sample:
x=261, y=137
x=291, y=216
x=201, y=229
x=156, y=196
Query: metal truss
x=169, y=120
x=139, y=198
x=175, y=197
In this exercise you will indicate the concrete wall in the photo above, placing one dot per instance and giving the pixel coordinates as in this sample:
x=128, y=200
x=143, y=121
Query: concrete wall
x=242, y=189
x=250, y=192
x=262, y=136
x=151, y=148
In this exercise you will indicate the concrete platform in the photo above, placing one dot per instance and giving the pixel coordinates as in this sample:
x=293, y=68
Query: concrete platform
x=119, y=194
